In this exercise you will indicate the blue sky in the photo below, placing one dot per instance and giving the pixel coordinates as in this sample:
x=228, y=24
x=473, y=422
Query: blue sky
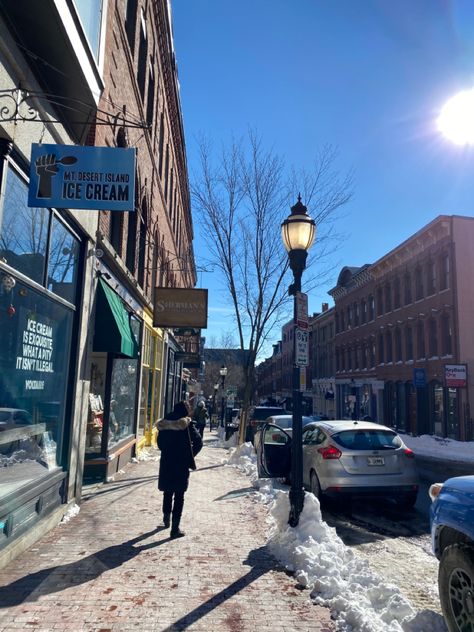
x=367, y=76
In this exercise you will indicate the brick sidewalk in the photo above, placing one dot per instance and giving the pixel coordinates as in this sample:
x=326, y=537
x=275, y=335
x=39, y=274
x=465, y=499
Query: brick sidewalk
x=110, y=568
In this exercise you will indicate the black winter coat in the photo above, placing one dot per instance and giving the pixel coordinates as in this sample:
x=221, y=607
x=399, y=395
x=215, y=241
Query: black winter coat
x=179, y=442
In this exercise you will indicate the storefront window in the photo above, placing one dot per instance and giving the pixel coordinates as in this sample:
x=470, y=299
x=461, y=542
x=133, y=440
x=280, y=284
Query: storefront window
x=123, y=399
x=438, y=409
x=401, y=423
x=34, y=359
x=453, y=414
x=23, y=230
x=63, y=261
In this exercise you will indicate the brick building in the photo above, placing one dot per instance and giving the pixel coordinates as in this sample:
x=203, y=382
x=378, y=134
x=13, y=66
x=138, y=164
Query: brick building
x=83, y=371
x=399, y=322
x=322, y=335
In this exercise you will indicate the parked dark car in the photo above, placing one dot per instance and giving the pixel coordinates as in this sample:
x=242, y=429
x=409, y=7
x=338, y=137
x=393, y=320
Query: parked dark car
x=452, y=537
x=257, y=416
x=344, y=458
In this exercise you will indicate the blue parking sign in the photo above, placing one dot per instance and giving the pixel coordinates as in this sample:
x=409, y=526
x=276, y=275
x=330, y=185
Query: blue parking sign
x=419, y=378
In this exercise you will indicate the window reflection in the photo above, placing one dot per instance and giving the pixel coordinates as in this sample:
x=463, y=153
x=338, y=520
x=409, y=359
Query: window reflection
x=63, y=262
x=23, y=230
x=33, y=379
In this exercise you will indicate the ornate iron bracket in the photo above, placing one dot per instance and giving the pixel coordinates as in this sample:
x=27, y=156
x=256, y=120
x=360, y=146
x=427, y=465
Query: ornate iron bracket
x=17, y=105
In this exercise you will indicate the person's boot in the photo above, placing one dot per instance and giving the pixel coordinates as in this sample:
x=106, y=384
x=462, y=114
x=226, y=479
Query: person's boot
x=176, y=531
x=166, y=520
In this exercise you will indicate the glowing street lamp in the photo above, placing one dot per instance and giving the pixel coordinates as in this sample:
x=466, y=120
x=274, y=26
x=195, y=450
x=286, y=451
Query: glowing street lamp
x=298, y=232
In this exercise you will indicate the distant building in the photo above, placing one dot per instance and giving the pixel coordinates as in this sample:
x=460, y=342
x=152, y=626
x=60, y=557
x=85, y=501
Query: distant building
x=403, y=332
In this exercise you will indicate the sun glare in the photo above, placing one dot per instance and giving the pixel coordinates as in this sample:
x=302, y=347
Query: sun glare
x=456, y=120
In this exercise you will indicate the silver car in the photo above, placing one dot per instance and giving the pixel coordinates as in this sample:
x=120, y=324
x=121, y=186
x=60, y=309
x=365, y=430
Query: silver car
x=344, y=458
x=359, y=458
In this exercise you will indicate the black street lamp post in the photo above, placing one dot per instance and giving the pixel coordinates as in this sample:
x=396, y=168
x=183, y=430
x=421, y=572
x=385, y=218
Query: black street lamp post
x=214, y=402
x=223, y=372
x=298, y=232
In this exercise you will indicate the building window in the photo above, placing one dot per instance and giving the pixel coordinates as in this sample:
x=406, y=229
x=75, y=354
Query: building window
x=161, y=144
x=167, y=170
x=409, y=343
x=446, y=335
x=150, y=106
x=342, y=321
x=388, y=347
x=372, y=353
x=396, y=293
x=388, y=297
x=356, y=314
x=337, y=322
x=363, y=312
x=131, y=240
x=443, y=271
x=407, y=288
x=381, y=349
x=142, y=58
x=379, y=302
x=371, y=308
x=420, y=340
x=398, y=345
x=430, y=278
x=130, y=22
x=419, y=294
x=433, y=337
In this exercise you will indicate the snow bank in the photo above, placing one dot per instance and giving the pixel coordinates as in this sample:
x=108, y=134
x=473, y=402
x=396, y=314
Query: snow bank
x=359, y=599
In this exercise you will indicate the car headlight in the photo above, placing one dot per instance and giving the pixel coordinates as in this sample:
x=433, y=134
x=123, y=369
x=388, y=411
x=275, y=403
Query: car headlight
x=435, y=490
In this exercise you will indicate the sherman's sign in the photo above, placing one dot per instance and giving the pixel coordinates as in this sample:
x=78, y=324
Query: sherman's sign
x=88, y=178
x=180, y=307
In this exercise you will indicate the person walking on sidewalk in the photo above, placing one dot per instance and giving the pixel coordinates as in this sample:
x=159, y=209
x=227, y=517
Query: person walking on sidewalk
x=179, y=442
x=200, y=417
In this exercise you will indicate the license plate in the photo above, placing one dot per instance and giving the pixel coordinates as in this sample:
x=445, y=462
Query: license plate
x=375, y=460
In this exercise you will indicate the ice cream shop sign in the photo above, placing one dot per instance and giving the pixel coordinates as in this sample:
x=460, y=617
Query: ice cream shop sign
x=88, y=178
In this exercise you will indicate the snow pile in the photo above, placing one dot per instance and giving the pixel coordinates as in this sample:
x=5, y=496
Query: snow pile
x=438, y=447
x=359, y=599
x=336, y=576
x=72, y=512
x=145, y=455
x=221, y=442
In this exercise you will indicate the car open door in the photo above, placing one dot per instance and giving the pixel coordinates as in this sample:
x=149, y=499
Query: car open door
x=273, y=448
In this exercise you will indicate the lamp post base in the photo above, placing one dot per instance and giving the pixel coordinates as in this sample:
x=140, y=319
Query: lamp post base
x=296, y=506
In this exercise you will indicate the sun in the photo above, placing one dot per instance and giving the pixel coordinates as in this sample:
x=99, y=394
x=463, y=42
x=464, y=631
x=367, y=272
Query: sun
x=456, y=120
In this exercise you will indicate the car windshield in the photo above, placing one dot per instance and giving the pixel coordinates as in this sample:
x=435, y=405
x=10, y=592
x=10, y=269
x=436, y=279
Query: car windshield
x=367, y=439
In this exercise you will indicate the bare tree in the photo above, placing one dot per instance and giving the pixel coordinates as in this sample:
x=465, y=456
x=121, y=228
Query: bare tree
x=241, y=197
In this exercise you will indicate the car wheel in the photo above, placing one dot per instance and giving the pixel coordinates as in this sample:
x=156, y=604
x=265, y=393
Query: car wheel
x=407, y=501
x=314, y=485
x=456, y=587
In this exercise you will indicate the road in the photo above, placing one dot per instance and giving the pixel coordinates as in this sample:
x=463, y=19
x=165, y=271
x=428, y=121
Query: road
x=396, y=543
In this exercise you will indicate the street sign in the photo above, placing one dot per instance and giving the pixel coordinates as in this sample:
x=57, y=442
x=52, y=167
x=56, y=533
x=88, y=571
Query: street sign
x=303, y=379
x=301, y=310
x=302, y=347
x=419, y=378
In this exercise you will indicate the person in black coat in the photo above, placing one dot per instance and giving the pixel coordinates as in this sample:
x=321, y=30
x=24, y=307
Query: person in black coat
x=179, y=442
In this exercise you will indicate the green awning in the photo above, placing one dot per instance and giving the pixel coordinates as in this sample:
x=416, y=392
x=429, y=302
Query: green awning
x=113, y=333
